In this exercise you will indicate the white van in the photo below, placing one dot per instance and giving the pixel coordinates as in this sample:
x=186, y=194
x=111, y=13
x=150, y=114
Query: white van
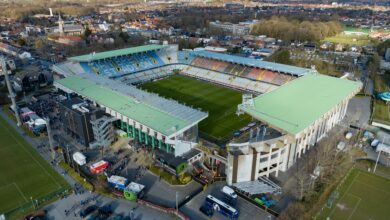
x=229, y=191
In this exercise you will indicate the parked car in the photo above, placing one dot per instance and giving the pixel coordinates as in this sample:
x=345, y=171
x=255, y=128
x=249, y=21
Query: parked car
x=105, y=210
x=94, y=216
x=87, y=211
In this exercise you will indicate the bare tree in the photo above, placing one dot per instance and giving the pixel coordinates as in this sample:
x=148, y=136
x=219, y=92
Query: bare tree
x=294, y=211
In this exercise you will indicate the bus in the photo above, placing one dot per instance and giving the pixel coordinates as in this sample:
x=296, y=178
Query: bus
x=222, y=207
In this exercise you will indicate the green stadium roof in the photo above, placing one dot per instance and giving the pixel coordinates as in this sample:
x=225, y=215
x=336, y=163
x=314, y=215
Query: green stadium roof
x=115, y=53
x=296, y=105
x=149, y=116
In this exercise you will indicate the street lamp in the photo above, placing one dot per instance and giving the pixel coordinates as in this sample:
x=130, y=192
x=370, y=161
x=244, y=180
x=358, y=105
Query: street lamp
x=177, y=206
x=32, y=201
x=379, y=154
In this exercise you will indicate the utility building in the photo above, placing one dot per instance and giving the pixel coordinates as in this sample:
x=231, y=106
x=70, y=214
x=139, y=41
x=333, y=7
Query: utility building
x=75, y=115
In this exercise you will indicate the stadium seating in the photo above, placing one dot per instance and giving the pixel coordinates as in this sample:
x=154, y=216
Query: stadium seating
x=137, y=68
x=236, y=82
x=122, y=65
x=185, y=57
x=145, y=76
x=242, y=71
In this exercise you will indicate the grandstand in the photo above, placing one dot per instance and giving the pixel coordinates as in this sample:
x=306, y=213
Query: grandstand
x=294, y=118
x=132, y=66
x=285, y=127
x=137, y=65
x=238, y=83
x=239, y=72
x=146, y=117
x=118, y=63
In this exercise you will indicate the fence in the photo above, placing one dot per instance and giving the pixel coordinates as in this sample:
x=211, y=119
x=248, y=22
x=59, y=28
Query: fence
x=220, y=142
x=36, y=203
x=163, y=209
x=272, y=212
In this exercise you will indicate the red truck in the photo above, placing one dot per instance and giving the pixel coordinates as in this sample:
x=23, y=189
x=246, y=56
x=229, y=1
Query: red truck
x=99, y=167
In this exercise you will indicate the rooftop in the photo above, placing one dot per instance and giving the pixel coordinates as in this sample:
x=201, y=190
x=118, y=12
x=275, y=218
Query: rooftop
x=299, y=71
x=128, y=106
x=115, y=53
x=296, y=105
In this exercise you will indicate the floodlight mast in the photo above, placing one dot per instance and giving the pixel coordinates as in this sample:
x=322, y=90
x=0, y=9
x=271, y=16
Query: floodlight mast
x=49, y=135
x=10, y=90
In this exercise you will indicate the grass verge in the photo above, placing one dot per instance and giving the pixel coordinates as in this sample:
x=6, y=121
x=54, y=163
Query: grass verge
x=88, y=186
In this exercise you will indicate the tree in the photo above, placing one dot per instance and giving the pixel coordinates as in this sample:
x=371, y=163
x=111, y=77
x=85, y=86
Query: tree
x=373, y=65
x=124, y=36
x=294, y=211
x=302, y=178
x=21, y=42
x=281, y=56
x=382, y=47
x=87, y=33
x=39, y=43
x=183, y=44
x=4, y=99
x=234, y=50
x=294, y=30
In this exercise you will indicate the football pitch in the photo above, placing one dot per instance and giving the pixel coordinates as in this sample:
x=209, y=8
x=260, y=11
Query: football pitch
x=350, y=40
x=363, y=196
x=220, y=102
x=24, y=175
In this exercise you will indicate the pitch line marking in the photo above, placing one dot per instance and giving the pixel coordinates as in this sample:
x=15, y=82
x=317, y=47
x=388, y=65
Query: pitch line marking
x=346, y=192
x=357, y=205
x=375, y=188
x=1, y=187
x=29, y=153
x=20, y=191
x=17, y=188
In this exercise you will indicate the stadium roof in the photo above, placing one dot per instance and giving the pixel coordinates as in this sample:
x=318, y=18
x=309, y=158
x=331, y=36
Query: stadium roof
x=299, y=71
x=147, y=115
x=115, y=53
x=296, y=105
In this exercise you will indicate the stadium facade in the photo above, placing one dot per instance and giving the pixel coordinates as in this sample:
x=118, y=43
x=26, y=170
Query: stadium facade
x=287, y=96
x=294, y=118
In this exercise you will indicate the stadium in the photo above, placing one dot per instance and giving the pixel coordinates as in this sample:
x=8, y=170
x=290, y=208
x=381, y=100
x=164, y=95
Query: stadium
x=163, y=96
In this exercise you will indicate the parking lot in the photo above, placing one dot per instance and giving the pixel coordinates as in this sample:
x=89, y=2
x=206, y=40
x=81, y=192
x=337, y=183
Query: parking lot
x=70, y=207
x=246, y=210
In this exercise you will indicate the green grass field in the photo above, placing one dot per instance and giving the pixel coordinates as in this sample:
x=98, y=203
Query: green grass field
x=220, y=102
x=381, y=111
x=362, y=196
x=24, y=175
x=350, y=40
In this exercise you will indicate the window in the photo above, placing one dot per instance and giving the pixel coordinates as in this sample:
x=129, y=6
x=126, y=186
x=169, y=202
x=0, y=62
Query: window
x=262, y=160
